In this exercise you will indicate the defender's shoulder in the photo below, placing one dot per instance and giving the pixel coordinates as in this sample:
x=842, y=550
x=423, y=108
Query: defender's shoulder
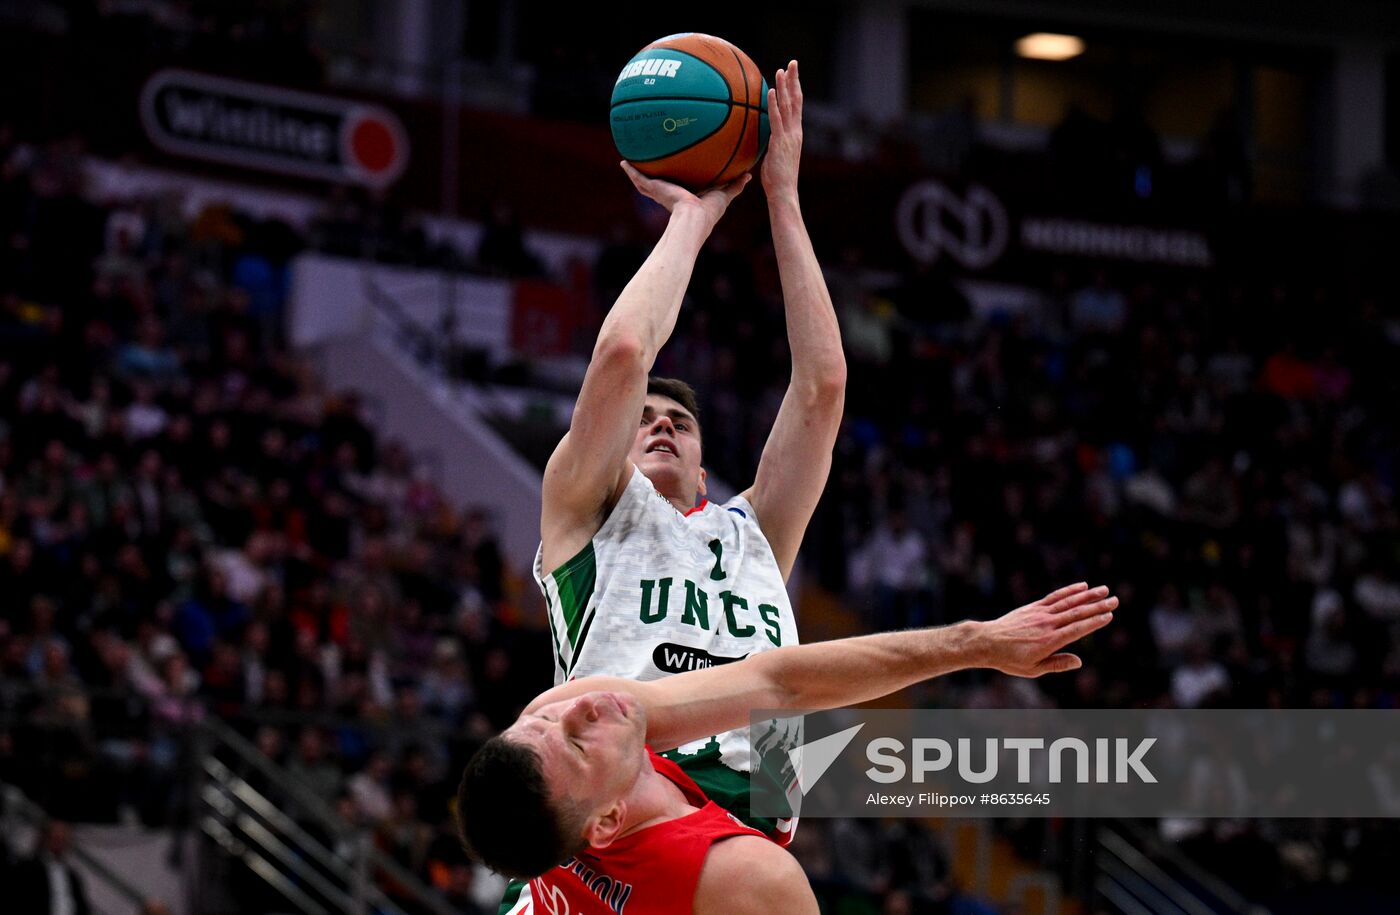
x=749, y=875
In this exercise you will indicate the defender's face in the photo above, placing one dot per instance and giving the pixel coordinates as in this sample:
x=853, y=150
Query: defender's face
x=592, y=747
x=667, y=447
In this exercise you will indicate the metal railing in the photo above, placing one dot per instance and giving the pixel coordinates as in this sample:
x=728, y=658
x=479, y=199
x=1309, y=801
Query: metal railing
x=1130, y=879
x=257, y=814
x=290, y=837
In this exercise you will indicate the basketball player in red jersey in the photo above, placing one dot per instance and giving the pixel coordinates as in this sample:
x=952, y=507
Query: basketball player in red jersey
x=575, y=778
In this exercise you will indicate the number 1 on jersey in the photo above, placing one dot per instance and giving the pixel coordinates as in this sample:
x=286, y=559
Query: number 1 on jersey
x=717, y=573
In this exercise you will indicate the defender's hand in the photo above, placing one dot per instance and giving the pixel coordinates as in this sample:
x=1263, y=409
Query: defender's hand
x=1026, y=642
x=711, y=203
x=785, y=132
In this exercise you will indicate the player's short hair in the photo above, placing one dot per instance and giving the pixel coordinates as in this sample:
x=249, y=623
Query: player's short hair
x=678, y=391
x=505, y=816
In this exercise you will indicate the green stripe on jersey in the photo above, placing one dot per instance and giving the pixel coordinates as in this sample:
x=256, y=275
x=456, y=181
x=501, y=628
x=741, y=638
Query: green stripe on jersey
x=512, y=896
x=575, y=581
x=727, y=787
x=578, y=646
x=553, y=631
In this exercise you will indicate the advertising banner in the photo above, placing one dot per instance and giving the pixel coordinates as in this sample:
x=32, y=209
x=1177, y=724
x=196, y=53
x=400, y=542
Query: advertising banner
x=273, y=129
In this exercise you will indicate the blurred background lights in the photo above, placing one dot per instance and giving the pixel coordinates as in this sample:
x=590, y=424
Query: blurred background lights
x=1049, y=46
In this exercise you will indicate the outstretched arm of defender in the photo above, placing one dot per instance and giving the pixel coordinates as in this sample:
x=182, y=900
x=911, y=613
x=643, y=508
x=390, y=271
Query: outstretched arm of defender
x=797, y=457
x=588, y=467
x=1026, y=642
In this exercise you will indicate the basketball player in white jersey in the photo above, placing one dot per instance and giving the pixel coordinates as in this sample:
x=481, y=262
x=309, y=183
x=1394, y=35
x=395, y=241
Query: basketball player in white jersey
x=642, y=575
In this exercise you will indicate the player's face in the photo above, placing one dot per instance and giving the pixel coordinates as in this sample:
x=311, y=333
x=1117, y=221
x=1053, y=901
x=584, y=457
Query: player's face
x=592, y=747
x=667, y=447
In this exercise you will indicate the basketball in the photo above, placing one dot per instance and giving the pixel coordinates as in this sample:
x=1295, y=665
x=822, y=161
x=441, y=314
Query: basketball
x=691, y=109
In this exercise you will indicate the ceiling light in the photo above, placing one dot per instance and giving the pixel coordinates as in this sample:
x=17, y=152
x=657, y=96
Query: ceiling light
x=1048, y=46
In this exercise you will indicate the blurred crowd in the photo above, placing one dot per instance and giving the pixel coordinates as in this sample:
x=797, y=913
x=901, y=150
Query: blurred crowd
x=190, y=526
x=265, y=40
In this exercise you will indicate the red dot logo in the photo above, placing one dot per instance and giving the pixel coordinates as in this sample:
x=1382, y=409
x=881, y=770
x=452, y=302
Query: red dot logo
x=374, y=145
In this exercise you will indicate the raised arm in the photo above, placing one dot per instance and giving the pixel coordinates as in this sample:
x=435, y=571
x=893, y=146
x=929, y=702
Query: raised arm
x=1026, y=642
x=589, y=466
x=797, y=457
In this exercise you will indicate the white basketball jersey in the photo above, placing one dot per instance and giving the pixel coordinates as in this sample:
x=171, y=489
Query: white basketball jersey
x=658, y=591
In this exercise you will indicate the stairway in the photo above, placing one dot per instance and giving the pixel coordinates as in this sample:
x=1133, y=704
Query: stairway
x=268, y=837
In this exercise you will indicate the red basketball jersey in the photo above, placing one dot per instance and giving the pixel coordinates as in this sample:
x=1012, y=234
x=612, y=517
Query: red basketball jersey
x=653, y=871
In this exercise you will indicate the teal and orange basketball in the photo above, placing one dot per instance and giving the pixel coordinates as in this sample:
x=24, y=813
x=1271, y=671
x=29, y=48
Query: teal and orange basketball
x=692, y=109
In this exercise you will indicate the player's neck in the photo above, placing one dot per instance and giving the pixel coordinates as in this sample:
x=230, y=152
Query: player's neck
x=655, y=799
x=680, y=495
x=681, y=502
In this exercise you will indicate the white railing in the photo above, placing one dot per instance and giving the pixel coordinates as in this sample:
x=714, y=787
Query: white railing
x=267, y=832
x=1131, y=880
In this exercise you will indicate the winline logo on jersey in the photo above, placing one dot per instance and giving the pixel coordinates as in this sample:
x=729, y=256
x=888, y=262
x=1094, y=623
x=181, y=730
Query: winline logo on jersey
x=1079, y=763
x=675, y=659
x=273, y=129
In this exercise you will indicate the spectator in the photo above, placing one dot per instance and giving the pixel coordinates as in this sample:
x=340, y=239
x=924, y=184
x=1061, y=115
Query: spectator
x=211, y=614
x=892, y=563
x=1378, y=593
x=446, y=689
x=1174, y=627
x=1209, y=496
x=457, y=886
x=147, y=358
x=1329, y=651
x=1200, y=679
x=145, y=418
x=1289, y=376
x=47, y=883
x=867, y=329
x=481, y=544
x=371, y=791
x=313, y=767
x=502, y=250
x=1098, y=308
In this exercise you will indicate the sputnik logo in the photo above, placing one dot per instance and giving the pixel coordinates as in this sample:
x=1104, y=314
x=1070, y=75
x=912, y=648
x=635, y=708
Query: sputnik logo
x=811, y=760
